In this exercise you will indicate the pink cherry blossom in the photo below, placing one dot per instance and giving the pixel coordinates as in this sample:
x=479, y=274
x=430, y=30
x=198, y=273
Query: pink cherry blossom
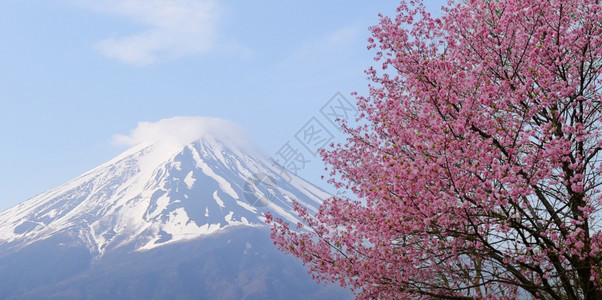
x=475, y=171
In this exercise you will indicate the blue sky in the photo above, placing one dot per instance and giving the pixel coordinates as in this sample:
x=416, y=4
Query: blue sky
x=75, y=73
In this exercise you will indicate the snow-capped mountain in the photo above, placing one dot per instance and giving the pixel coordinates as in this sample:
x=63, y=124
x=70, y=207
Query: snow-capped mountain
x=186, y=181
x=158, y=193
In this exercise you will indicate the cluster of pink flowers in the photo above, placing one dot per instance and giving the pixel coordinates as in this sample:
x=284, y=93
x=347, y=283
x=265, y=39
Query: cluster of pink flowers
x=476, y=167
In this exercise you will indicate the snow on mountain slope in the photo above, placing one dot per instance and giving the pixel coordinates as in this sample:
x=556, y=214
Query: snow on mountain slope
x=185, y=178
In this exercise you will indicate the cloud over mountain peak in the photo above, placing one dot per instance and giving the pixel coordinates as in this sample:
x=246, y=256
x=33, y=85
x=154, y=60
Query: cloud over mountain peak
x=186, y=130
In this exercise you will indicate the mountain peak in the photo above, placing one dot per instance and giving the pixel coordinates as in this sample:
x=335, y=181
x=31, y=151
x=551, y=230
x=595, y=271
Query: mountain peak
x=184, y=178
x=178, y=215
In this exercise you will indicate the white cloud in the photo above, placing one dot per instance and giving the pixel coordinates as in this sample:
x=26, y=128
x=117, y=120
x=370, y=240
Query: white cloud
x=175, y=28
x=186, y=130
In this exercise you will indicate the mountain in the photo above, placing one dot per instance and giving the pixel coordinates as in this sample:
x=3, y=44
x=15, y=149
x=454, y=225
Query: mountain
x=178, y=215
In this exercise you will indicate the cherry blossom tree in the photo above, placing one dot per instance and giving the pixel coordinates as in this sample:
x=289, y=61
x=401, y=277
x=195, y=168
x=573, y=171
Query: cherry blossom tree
x=475, y=170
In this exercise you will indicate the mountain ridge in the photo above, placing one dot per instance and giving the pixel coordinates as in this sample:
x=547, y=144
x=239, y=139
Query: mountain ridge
x=158, y=193
x=177, y=217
